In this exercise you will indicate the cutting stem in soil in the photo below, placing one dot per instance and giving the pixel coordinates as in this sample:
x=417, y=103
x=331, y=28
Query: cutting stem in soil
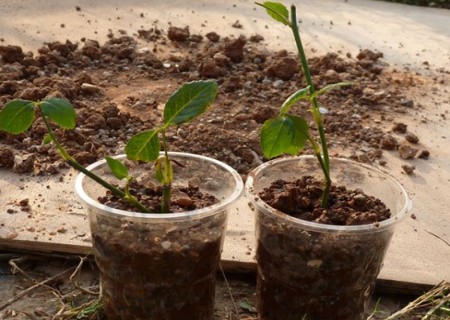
x=184, y=105
x=324, y=158
x=167, y=177
x=288, y=133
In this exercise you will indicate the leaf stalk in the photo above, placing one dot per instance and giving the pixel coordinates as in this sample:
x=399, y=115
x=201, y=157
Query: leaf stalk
x=76, y=165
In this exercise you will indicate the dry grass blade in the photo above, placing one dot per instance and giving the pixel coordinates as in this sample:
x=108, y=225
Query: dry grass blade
x=436, y=236
x=433, y=300
x=229, y=291
x=440, y=304
x=87, y=310
x=33, y=287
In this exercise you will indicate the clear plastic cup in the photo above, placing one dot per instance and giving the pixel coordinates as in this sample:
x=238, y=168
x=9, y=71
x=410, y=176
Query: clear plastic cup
x=160, y=266
x=317, y=270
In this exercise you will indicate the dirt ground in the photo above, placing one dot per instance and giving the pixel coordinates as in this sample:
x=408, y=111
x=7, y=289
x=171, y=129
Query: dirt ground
x=66, y=283
x=61, y=291
x=119, y=87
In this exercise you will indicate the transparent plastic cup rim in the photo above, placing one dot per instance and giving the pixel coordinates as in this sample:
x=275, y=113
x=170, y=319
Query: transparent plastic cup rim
x=223, y=204
x=320, y=227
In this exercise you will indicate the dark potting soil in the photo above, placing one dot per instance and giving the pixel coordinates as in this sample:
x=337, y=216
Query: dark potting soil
x=183, y=199
x=320, y=275
x=158, y=268
x=149, y=271
x=302, y=199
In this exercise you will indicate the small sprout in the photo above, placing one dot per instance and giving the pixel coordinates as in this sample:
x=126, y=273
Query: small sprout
x=184, y=105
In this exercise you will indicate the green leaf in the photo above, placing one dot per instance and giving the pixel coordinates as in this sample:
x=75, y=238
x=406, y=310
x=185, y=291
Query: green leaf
x=284, y=134
x=293, y=98
x=119, y=170
x=60, y=111
x=143, y=146
x=189, y=101
x=330, y=87
x=277, y=11
x=245, y=304
x=17, y=116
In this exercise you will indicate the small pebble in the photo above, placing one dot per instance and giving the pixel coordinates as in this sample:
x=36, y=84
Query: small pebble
x=424, y=154
x=166, y=245
x=400, y=127
x=388, y=142
x=39, y=311
x=407, y=103
x=278, y=84
x=12, y=235
x=407, y=152
x=409, y=169
x=412, y=138
x=90, y=88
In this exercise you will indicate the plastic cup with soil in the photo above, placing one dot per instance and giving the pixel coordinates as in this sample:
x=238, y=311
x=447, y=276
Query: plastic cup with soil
x=311, y=264
x=162, y=266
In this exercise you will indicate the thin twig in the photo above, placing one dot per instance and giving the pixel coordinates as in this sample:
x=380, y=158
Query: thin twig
x=229, y=291
x=30, y=289
x=66, y=311
x=75, y=283
x=76, y=293
x=13, y=263
x=16, y=268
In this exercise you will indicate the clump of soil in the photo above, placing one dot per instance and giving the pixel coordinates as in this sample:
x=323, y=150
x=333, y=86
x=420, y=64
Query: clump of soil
x=302, y=199
x=119, y=87
x=164, y=268
x=183, y=199
x=6, y=158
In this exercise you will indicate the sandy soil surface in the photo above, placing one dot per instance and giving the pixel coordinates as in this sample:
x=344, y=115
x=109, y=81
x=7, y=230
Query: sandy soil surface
x=407, y=35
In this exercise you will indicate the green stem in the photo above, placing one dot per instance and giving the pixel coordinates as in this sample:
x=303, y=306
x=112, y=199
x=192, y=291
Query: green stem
x=325, y=158
x=167, y=183
x=116, y=191
x=132, y=199
x=58, y=145
x=74, y=164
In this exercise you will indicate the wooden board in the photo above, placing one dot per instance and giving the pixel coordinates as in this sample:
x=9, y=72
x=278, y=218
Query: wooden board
x=57, y=222
x=418, y=254
x=419, y=250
